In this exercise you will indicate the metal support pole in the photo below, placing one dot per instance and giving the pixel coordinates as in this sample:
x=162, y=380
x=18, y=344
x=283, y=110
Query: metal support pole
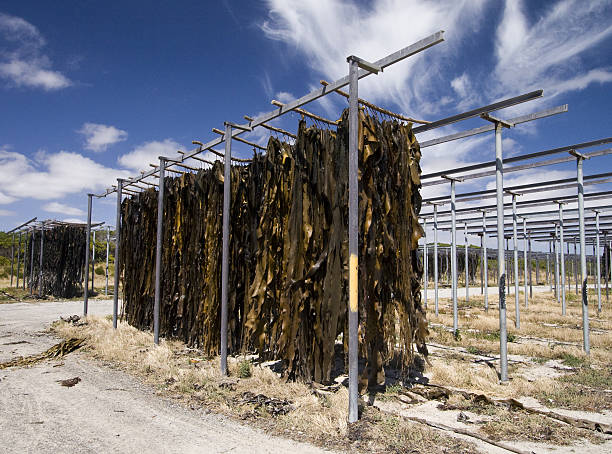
x=569, y=269
x=117, y=265
x=561, y=243
x=40, y=260
x=158, y=248
x=436, y=257
x=18, y=261
x=607, y=256
x=597, y=261
x=107, y=253
x=454, y=259
x=87, y=233
x=426, y=278
x=548, y=274
x=509, y=270
x=499, y=186
x=525, y=262
x=353, y=232
x=226, y=237
x=12, y=257
x=517, y=309
x=530, y=280
x=485, y=260
x=482, y=267
x=576, y=264
x=556, y=264
x=32, y=238
x=93, y=261
x=467, y=274
x=25, y=249
x=585, y=307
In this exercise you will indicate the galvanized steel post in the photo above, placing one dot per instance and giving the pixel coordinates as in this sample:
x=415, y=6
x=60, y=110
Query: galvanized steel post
x=227, y=184
x=598, y=259
x=93, y=261
x=117, y=265
x=525, y=261
x=556, y=249
x=481, y=266
x=548, y=270
x=12, y=257
x=25, y=248
x=87, y=233
x=485, y=261
x=18, y=260
x=499, y=186
x=585, y=307
x=530, y=281
x=454, y=259
x=353, y=322
x=609, y=272
x=517, y=309
x=40, y=260
x=467, y=274
x=576, y=264
x=32, y=238
x=561, y=241
x=158, y=248
x=426, y=277
x=436, y=257
x=107, y=251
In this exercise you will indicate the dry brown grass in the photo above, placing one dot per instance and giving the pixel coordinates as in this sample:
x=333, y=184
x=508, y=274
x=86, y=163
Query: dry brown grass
x=544, y=335
x=179, y=372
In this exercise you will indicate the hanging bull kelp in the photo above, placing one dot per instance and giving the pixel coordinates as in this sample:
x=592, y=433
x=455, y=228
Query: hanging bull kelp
x=288, y=252
x=191, y=255
x=299, y=292
x=63, y=261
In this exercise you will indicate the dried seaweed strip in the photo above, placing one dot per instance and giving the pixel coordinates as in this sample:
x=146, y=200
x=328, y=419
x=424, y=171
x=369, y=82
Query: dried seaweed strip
x=288, y=252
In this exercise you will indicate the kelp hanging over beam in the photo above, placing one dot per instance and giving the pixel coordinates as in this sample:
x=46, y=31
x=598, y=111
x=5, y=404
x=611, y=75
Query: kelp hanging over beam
x=288, y=252
x=63, y=261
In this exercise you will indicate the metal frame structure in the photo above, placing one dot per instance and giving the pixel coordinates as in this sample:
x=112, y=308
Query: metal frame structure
x=536, y=224
x=359, y=68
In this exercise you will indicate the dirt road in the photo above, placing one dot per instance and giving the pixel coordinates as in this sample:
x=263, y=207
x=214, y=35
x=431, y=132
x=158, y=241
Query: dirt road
x=108, y=410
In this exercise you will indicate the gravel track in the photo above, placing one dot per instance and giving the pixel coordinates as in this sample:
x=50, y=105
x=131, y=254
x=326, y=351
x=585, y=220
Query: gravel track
x=108, y=411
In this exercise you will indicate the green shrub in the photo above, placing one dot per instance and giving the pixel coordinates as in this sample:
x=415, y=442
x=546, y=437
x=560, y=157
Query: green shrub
x=244, y=369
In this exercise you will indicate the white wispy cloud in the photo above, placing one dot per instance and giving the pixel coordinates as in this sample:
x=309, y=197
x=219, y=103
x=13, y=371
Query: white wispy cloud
x=284, y=97
x=7, y=213
x=53, y=176
x=148, y=153
x=6, y=199
x=549, y=51
x=326, y=32
x=99, y=137
x=57, y=207
x=22, y=58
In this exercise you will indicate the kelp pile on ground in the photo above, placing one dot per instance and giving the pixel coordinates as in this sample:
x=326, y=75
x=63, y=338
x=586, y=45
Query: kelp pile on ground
x=63, y=261
x=288, y=252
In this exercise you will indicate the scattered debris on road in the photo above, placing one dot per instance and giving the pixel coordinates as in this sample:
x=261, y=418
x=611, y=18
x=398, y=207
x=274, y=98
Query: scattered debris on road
x=70, y=382
x=57, y=351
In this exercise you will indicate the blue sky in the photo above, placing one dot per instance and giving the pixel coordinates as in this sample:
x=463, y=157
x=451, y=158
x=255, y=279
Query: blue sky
x=95, y=90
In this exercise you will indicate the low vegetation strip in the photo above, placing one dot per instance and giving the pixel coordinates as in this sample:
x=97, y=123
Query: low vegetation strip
x=255, y=393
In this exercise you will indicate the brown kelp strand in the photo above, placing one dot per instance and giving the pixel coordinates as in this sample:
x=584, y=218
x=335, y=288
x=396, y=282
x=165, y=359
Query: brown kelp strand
x=288, y=253
x=63, y=261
